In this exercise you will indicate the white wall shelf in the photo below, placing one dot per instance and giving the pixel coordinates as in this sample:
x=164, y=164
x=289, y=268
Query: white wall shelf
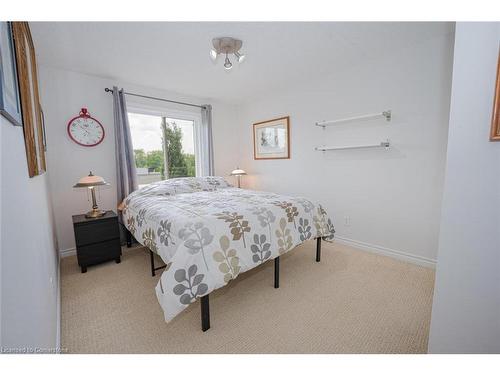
x=386, y=144
x=386, y=114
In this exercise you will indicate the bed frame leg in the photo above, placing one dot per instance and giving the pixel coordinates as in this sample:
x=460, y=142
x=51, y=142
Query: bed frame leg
x=318, y=249
x=205, y=313
x=128, y=237
x=276, y=272
x=152, y=257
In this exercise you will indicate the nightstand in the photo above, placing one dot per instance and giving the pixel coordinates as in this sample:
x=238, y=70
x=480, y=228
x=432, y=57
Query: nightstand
x=97, y=239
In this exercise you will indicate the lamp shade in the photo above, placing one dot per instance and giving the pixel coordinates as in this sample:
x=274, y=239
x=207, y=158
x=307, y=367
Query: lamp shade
x=89, y=181
x=238, y=172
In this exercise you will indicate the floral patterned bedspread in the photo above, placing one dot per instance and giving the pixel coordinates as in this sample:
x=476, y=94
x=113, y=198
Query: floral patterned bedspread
x=210, y=232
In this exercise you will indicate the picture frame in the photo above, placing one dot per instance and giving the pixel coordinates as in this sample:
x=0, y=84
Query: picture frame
x=495, y=119
x=271, y=139
x=31, y=110
x=10, y=102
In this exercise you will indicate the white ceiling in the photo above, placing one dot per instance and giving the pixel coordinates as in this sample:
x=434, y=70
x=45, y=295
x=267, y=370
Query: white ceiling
x=175, y=56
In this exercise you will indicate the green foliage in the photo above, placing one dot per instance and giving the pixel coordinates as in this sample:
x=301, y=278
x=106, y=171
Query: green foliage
x=154, y=160
x=190, y=164
x=179, y=163
x=140, y=158
x=177, y=166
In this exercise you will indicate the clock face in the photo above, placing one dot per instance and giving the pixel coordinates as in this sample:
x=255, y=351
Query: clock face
x=86, y=131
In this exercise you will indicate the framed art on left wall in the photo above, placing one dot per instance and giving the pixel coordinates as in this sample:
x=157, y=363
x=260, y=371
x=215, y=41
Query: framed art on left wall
x=10, y=104
x=495, y=120
x=34, y=132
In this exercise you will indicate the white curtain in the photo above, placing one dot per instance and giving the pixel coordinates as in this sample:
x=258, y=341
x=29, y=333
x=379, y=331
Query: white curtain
x=206, y=142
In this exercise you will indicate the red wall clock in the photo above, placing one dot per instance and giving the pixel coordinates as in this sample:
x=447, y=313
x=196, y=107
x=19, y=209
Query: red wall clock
x=85, y=130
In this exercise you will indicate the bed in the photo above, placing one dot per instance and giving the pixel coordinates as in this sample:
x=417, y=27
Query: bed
x=208, y=232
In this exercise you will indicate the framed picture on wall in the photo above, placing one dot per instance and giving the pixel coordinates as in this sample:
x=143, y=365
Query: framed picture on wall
x=271, y=139
x=495, y=121
x=34, y=133
x=10, y=104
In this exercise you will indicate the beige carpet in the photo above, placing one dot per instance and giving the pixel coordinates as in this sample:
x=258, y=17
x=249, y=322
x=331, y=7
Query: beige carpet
x=351, y=302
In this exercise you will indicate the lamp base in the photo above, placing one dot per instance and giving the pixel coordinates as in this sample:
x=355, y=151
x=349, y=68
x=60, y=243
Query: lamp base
x=95, y=213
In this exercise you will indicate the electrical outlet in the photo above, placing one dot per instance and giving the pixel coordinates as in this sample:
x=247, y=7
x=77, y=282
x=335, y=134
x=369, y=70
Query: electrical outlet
x=347, y=221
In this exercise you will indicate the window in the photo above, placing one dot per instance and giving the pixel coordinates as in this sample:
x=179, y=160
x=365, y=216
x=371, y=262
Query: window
x=164, y=145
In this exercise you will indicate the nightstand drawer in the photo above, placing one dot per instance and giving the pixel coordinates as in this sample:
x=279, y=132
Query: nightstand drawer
x=99, y=252
x=90, y=233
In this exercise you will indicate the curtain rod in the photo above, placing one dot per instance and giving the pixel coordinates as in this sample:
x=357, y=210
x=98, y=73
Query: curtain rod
x=160, y=99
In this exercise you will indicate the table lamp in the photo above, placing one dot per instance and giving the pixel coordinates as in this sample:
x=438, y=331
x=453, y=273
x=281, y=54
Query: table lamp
x=238, y=172
x=91, y=182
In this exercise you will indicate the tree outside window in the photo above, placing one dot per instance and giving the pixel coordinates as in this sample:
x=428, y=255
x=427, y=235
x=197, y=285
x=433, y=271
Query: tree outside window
x=165, y=149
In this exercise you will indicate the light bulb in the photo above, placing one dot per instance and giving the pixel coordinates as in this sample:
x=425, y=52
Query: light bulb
x=213, y=54
x=227, y=63
x=240, y=57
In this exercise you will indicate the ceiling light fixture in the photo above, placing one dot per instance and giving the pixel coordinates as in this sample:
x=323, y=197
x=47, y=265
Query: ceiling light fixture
x=240, y=57
x=227, y=63
x=226, y=46
x=213, y=54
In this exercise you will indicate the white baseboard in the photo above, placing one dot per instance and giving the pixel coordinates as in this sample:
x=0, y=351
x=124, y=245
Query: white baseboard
x=401, y=255
x=67, y=252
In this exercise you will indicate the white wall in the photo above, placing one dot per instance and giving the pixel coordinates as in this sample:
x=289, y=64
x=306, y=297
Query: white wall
x=393, y=198
x=28, y=255
x=466, y=308
x=64, y=94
